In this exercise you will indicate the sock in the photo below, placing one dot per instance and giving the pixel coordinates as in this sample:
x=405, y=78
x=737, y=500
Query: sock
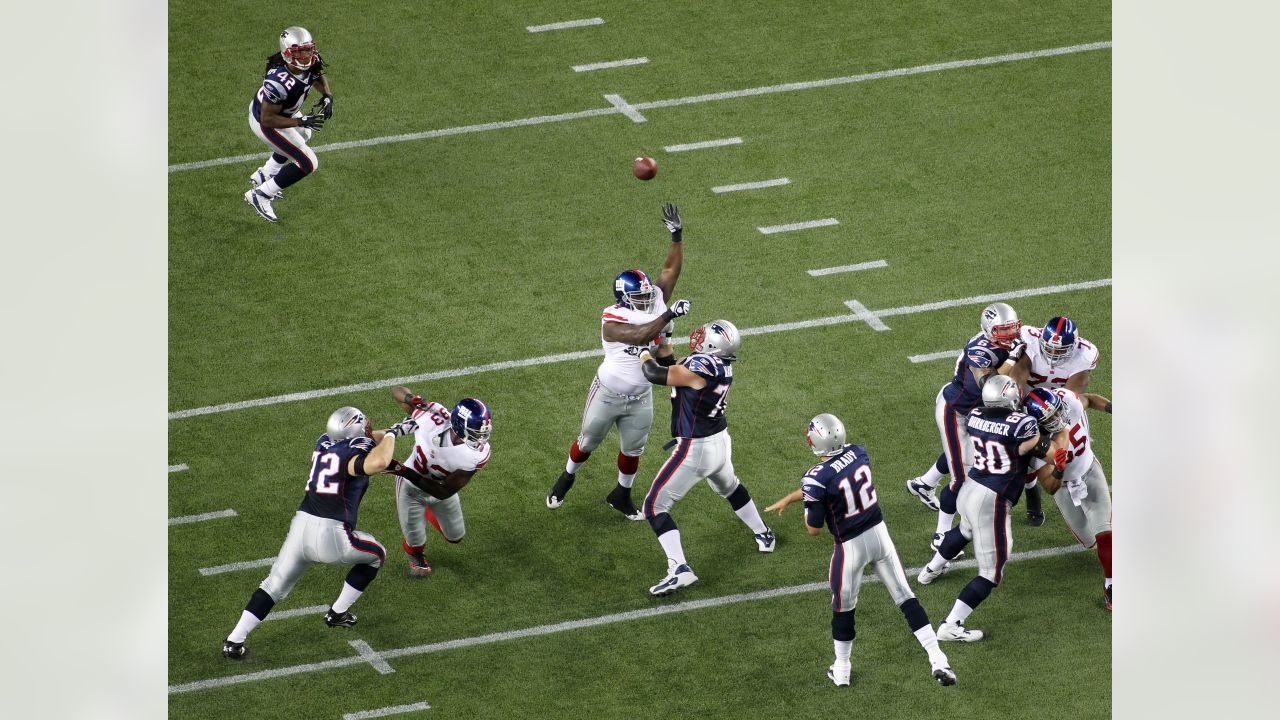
x=1104, y=554
x=255, y=611
x=670, y=541
x=929, y=641
x=959, y=612
x=934, y=474
x=953, y=541
x=248, y=621
x=272, y=165
x=844, y=648
x=971, y=596
x=576, y=458
x=346, y=598
x=269, y=188
x=745, y=508
x=627, y=467
x=936, y=562
x=412, y=549
x=288, y=175
x=944, y=521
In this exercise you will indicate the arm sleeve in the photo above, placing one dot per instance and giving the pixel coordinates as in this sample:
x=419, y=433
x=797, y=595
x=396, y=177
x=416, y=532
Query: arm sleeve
x=273, y=91
x=812, y=492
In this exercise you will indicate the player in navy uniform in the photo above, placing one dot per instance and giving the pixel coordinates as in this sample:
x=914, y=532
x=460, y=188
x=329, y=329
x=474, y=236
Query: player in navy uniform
x=275, y=116
x=838, y=492
x=323, y=528
x=700, y=391
x=1003, y=440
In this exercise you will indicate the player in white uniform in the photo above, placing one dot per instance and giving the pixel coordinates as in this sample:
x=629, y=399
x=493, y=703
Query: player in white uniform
x=620, y=395
x=1055, y=356
x=1080, y=488
x=448, y=448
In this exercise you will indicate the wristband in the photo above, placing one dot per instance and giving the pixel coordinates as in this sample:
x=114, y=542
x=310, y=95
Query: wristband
x=668, y=316
x=1057, y=473
x=1107, y=408
x=677, y=236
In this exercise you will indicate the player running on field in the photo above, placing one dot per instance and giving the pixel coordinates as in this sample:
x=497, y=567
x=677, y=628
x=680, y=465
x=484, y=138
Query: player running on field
x=324, y=527
x=838, y=492
x=448, y=448
x=699, y=395
x=619, y=394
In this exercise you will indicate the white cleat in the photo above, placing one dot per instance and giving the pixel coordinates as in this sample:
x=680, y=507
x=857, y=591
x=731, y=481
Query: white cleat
x=943, y=673
x=261, y=203
x=927, y=576
x=682, y=576
x=258, y=177
x=957, y=632
x=839, y=673
x=766, y=541
x=921, y=491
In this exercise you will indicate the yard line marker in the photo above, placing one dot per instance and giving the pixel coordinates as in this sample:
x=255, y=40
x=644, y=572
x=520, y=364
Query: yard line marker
x=202, y=517
x=864, y=314
x=296, y=612
x=930, y=357
x=624, y=108
x=751, y=185
x=848, y=268
x=582, y=354
x=375, y=659
x=611, y=64
x=748, y=92
x=383, y=712
x=178, y=468
x=771, y=229
x=232, y=567
x=553, y=629
x=703, y=145
x=565, y=25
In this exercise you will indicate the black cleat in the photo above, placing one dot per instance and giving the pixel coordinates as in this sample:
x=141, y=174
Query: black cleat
x=620, y=499
x=233, y=650
x=555, y=498
x=1106, y=594
x=339, y=619
x=1035, y=512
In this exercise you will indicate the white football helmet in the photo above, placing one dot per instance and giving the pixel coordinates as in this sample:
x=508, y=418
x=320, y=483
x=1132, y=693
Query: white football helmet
x=1001, y=391
x=826, y=435
x=297, y=48
x=1000, y=324
x=719, y=338
x=346, y=423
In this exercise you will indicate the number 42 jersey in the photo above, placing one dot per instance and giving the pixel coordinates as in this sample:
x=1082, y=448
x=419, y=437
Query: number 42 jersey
x=838, y=491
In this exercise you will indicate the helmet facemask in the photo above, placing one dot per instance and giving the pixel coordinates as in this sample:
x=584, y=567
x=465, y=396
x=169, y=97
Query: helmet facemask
x=1007, y=334
x=300, y=57
x=1055, y=351
x=642, y=300
x=476, y=438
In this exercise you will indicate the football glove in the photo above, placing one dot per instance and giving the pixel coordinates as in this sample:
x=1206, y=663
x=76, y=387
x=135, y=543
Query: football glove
x=1060, y=459
x=680, y=308
x=314, y=122
x=1016, y=350
x=324, y=107
x=416, y=401
x=671, y=218
x=406, y=426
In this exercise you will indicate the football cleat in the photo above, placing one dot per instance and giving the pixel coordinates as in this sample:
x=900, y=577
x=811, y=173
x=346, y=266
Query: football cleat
x=937, y=543
x=339, y=619
x=1034, y=518
x=418, y=566
x=233, y=650
x=957, y=632
x=839, y=673
x=555, y=498
x=258, y=177
x=944, y=675
x=921, y=491
x=682, y=576
x=619, y=499
x=766, y=541
x=1106, y=593
x=1035, y=511
x=927, y=576
x=261, y=203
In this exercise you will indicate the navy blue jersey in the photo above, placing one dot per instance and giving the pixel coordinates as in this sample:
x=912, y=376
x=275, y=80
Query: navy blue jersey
x=700, y=413
x=285, y=88
x=838, y=491
x=964, y=393
x=996, y=434
x=332, y=492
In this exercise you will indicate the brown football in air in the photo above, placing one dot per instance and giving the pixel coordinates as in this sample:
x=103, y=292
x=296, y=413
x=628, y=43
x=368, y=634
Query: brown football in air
x=645, y=168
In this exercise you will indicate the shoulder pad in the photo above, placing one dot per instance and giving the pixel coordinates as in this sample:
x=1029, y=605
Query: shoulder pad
x=704, y=365
x=274, y=91
x=980, y=356
x=1026, y=428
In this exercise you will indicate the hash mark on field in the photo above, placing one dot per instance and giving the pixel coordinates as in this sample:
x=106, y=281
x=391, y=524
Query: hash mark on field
x=751, y=185
x=202, y=517
x=232, y=567
x=703, y=145
x=624, y=108
x=611, y=64
x=597, y=112
x=866, y=315
x=383, y=712
x=539, y=630
x=178, y=468
x=582, y=354
x=373, y=658
x=296, y=612
x=771, y=229
x=848, y=268
x=930, y=357
x=565, y=25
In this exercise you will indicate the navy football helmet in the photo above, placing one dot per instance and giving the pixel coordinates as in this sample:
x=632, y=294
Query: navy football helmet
x=1058, y=340
x=471, y=421
x=1046, y=407
x=632, y=289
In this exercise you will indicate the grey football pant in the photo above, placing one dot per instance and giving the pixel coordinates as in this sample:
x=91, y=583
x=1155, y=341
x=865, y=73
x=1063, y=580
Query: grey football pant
x=411, y=505
x=313, y=539
x=1093, y=515
x=604, y=408
x=849, y=558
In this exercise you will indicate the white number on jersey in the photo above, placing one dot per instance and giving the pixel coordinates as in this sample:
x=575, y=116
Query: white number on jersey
x=990, y=456
x=324, y=486
x=866, y=495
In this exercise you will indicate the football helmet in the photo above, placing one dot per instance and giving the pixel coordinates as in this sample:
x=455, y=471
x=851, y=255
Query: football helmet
x=297, y=48
x=632, y=289
x=719, y=338
x=1046, y=407
x=826, y=435
x=1058, y=340
x=346, y=423
x=1001, y=391
x=1000, y=324
x=471, y=421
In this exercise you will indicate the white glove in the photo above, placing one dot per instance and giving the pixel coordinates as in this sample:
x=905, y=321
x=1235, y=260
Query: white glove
x=680, y=308
x=407, y=426
x=1016, y=350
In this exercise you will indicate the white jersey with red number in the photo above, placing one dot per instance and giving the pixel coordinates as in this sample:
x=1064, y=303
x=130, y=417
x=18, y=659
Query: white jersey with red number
x=434, y=453
x=1055, y=376
x=620, y=371
x=1079, y=445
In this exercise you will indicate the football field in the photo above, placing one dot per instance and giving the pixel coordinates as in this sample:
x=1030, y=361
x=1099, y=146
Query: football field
x=904, y=165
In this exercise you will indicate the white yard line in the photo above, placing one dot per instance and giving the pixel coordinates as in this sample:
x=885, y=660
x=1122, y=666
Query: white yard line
x=178, y=468
x=611, y=64
x=183, y=520
x=297, y=612
x=383, y=712
x=539, y=630
x=930, y=357
x=703, y=145
x=232, y=567
x=624, y=108
x=582, y=354
x=373, y=658
x=565, y=25
x=751, y=185
x=597, y=112
x=848, y=268
x=792, y=227
x=866, y=315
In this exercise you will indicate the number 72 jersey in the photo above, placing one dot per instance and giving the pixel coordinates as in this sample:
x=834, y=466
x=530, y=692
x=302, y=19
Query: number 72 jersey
x=700, y=413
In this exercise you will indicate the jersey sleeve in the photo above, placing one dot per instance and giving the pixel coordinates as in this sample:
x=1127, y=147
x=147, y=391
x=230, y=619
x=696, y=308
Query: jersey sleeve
x=362, y=446
x=273, y=90
x=702, y=366
x=482, y=456
x=812, y=491
x=981, y=357
x=1026, y=428
x=616, y=314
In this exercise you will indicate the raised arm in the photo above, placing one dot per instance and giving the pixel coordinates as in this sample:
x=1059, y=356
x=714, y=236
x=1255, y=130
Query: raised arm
x=675, y=255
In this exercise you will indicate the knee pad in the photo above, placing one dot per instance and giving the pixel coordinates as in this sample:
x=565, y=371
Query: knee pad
x=360, y=576
x=842, y=626
x=947, y=500
x=661, y=522
x=739, y=497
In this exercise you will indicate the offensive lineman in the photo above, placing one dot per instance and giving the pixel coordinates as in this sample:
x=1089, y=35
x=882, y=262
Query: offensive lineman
x=620, y=395
x=276, y=117
x=839, y=493
x=700, y=392
x=448, y=448
x=323, y=528
x=1002, y=438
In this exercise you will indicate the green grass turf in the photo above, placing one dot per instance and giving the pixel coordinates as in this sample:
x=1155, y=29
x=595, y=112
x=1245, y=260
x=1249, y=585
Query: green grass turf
x=445, y=253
